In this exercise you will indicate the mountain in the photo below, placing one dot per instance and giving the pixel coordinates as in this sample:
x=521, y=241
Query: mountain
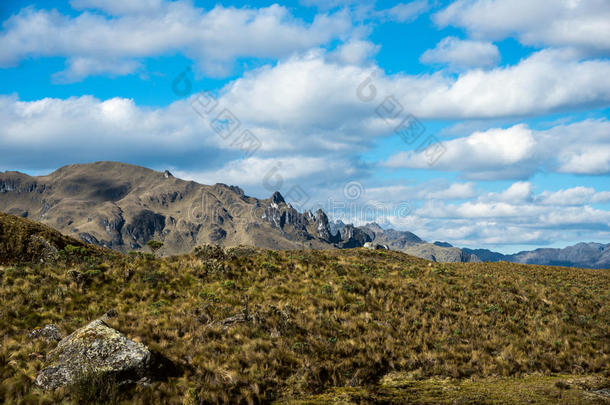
x=122, y=207
x=408, y=242
x=487, y=255
x=588, y=255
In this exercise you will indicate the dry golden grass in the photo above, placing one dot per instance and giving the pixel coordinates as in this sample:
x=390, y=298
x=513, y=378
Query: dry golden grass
x=256, y=326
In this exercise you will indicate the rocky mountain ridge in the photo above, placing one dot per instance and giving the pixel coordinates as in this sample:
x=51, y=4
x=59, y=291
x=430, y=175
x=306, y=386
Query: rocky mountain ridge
x=122, y=207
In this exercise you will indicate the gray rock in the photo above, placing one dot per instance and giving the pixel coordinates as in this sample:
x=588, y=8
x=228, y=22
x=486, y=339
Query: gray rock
x=605, y=392
x=50, y=333
x=376, y=246
x=95, y=349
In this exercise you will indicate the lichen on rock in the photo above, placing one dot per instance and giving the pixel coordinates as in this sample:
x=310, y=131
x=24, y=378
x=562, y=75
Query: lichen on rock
x=95, y=349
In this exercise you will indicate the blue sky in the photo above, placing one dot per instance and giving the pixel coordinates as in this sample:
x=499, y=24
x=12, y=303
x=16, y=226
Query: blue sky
x=503, y=106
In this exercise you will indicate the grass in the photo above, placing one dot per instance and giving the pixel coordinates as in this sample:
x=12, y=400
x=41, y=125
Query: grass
x=353, y=326
x=534, y=389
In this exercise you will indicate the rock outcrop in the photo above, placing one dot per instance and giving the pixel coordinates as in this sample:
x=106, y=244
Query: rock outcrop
x=375, y=246
x=96, y=349
x=50, y=333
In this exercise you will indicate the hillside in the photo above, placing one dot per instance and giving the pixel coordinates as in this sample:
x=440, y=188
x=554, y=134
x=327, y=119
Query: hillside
x=249, y=325
x=25, y=241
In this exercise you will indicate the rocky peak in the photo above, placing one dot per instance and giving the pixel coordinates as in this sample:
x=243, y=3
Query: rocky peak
x=277, y=198
x=353, y=237
x=322, y=226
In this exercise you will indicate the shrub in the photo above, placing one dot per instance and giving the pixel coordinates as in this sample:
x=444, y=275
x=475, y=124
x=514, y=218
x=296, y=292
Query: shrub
x=209, y=252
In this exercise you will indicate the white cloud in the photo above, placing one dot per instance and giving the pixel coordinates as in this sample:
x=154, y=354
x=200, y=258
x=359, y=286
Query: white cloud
x=584, y=25
x=586, y=159
x=272, y=174
x=94, y=43
x=307, y=104
x=311, y=91
x=496, y=153
x=85, y=128
x=572, y=196
x=514, y=216
x=81, y=67
x=520, y=191
x=405, y=12
x=455, y=191
x=519, y=152
x=601, y=197
x=462, y=53
x=354, y=52
x=430, y=190
x=545, y=81
x=119, y=7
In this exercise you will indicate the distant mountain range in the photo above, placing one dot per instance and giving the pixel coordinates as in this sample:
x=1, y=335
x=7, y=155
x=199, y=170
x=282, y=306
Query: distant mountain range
x=122, y=207
x=590, y=255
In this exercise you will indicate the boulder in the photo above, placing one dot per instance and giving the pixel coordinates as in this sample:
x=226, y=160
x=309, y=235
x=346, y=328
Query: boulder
x=375, y=246
x=50, y=333
x=96, y=349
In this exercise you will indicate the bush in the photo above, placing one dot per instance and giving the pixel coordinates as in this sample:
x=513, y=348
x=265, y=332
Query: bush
x=209, y=252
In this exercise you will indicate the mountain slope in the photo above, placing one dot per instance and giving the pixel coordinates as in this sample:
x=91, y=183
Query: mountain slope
x=122, y=206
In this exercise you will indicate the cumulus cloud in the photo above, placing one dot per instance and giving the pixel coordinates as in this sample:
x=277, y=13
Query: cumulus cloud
x=354, y=52
x=497, y=153
x=405, y=12
x=520, y=191
x=462, y=54
x=455, y=191
x=118, y=7
x=266, y=175
x=312, y=89
x=514, y=216
x=430, y=190
x=309, y=104
x=572, y=196
x=46, y=132
x=366, y=9
x=583, y=25
x=50, y=132
x=520, y=152
x=93, y=43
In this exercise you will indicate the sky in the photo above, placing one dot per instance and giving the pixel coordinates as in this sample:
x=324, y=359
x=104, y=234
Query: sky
x=483, y=123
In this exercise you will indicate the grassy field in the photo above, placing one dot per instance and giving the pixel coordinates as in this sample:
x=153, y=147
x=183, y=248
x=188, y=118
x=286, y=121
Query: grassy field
x=312, y=327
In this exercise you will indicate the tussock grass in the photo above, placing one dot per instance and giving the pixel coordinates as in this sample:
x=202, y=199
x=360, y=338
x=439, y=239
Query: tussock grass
x=256, y=326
